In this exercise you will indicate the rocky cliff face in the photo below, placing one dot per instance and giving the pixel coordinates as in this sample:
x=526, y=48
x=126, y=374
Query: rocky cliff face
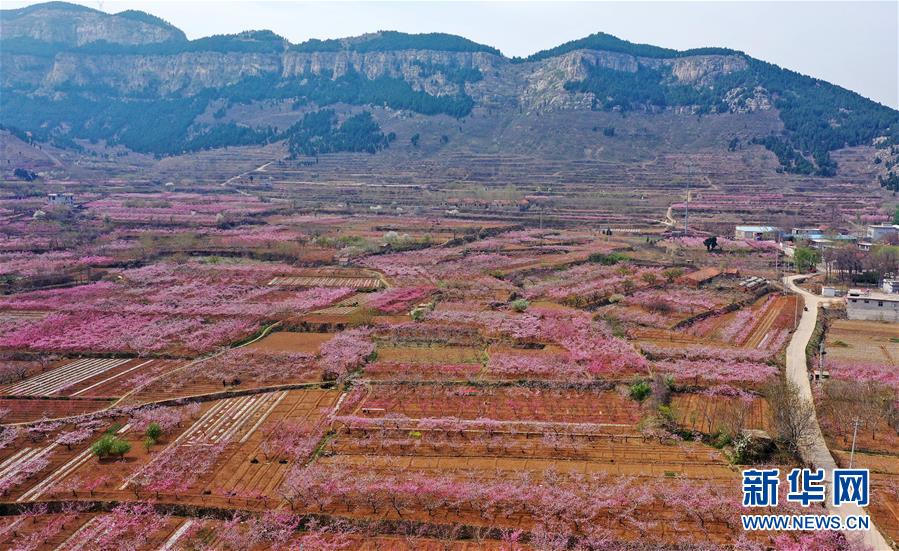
x=530, y=86
x=533, y=86
x=191, y=72
x=185, y=73
x=545, y=79
x=405, y=64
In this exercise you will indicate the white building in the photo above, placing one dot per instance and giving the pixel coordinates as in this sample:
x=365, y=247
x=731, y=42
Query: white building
x=61, y=199
x=891, y=285
x=872, y=306
x=757, y=233
x=882, y=231
x=808, y=232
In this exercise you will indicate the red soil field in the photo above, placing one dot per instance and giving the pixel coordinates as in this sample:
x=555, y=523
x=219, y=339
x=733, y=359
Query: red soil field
x=24, y=410
x=287, y=341
x=708, y=414
x=508, y=404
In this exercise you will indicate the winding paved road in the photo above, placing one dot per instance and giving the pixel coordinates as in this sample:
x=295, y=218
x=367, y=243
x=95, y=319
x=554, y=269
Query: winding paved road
x=816, y=453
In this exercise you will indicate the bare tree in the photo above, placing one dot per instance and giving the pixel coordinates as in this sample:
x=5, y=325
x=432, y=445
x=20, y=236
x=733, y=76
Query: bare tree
x=848, y=261
x=793, y=417
x=882, y=261
x=733, y=418
x=12, y=371
x=845, y=402
x=661, y=391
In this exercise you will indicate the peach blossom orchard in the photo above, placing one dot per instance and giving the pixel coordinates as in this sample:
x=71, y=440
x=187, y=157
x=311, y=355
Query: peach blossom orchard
x=209, y=370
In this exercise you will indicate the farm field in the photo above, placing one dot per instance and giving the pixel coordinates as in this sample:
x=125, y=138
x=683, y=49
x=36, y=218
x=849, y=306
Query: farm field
x=397, y=382
x=863, y=342
x=287, y=341
x=404, y=291
x=91, y=377
x=861, y=368
x=20, y=411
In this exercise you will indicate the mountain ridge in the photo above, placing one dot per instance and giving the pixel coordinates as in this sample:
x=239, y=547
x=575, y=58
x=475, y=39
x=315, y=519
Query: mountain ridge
x=137, y=65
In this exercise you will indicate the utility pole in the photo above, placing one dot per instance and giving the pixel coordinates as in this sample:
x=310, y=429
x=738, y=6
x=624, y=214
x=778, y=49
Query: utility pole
x=820, y=361
x=687, y=207
x=776, y=266
x=854, y=434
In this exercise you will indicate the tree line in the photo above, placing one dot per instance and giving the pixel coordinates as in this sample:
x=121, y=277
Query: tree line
x=150, y=122
x=318, y=133
x=818, y=117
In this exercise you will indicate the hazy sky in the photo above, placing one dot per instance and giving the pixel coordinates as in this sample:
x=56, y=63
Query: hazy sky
x=853, y=44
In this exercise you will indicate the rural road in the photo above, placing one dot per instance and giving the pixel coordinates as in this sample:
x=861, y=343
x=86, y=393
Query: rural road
x=260, y=168
x=816, y=453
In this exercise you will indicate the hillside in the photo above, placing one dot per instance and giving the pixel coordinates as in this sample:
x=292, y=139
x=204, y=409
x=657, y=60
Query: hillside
x=77, y=77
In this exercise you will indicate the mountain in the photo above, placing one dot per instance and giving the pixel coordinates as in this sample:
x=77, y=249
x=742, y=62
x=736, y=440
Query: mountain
x=72, y=25
x=74, y=76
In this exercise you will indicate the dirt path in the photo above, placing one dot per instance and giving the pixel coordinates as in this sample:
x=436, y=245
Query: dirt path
x=816, y=452
x=669, y=219
x=260, y=168
x=760, y=331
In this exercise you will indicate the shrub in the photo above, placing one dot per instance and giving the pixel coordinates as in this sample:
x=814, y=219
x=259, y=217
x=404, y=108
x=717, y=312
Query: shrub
x=666, y=414
x=640, y=390
x=741, y=445
x=720, y=440
x=110, y=445
x=671, y=274
x=153, y=432
x=520, y=305
x=101, y=447
x=749, y=450
x=659, y=305
x=119, y=447
x=607, y=259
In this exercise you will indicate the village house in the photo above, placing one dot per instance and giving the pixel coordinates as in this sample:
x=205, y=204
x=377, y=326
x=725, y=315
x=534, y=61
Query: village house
x=807, y=233
x=872, y=306
x=757, y=233
x=881, y=232
x=66, y=199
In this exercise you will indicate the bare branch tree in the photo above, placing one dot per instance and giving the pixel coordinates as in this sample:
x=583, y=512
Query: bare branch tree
x=793, y=417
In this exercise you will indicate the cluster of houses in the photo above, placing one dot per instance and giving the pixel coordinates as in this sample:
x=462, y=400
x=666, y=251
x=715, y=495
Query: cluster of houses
x=818, y=238
x=881, y=304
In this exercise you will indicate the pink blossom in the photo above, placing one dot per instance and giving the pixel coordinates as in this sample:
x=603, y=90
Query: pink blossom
x=715, y=371
x=346, y=352
x=864, y=372
x=398, y=299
